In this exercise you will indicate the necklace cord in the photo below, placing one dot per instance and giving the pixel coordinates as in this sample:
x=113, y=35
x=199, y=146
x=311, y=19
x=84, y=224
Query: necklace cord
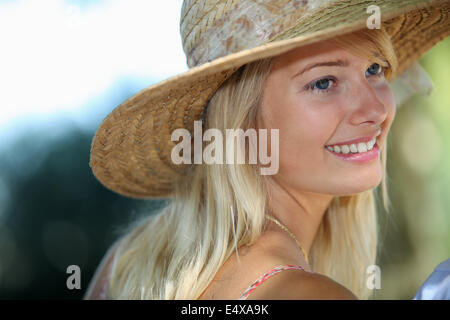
x=290, y=234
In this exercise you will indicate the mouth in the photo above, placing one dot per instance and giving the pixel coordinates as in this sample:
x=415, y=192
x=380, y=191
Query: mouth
x=359, y=158
x=359, y=145
x=353, y=148
x=359, y=151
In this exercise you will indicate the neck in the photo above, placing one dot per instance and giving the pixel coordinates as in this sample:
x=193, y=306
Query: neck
x=300, y=212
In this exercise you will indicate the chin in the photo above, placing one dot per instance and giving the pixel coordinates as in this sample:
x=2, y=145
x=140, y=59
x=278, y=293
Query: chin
x=352, y=189
x=367, y=187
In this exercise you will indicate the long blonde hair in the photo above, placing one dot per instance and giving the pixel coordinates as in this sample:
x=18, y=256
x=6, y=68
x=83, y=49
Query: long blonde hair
x=176, y=252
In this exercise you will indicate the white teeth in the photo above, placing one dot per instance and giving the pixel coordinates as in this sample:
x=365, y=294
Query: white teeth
x=354, y=148
x=362, y=147
x=370, y=144
x=345, y=149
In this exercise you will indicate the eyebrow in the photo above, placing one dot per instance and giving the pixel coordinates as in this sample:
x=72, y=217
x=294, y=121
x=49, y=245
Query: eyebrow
x=337, y=63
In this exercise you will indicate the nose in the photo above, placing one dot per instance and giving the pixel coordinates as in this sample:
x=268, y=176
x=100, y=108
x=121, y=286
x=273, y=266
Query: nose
x=369, y=107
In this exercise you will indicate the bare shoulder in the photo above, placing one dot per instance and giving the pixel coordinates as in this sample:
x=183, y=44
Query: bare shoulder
x=301, y=285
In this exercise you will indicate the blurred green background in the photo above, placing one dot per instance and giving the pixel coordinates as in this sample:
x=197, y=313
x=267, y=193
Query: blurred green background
x=416, y=234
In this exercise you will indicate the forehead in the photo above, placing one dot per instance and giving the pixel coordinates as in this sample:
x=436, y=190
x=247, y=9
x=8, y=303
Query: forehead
x=317, y=51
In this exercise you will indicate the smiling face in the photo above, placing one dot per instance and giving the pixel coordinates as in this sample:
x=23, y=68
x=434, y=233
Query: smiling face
x=323, y=95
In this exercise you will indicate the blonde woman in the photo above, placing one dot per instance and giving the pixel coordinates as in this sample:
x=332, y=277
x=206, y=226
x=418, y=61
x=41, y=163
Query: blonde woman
x=318, y=74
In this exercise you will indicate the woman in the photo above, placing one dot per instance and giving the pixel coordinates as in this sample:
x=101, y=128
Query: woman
x=326, y=89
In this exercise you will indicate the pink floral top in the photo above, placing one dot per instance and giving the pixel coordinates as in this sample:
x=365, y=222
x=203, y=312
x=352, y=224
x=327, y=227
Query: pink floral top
x=266, y=276
x=101, y=292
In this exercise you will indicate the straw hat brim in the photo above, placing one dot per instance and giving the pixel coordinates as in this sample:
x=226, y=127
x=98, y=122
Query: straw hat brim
x=131, y=150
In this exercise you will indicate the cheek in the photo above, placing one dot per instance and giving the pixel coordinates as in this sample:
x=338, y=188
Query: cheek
x=305, y=125
x=303, y=136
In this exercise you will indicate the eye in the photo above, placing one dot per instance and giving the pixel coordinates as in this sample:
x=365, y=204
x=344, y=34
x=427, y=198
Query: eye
x=322, y=85
x=375, y=70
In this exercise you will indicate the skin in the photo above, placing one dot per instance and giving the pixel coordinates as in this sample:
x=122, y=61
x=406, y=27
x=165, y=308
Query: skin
x=357, y=104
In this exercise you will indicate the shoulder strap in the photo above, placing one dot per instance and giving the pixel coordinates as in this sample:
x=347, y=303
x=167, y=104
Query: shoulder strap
x=266, y=276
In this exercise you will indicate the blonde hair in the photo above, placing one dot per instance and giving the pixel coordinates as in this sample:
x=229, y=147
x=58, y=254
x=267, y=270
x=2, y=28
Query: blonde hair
x=176, y=253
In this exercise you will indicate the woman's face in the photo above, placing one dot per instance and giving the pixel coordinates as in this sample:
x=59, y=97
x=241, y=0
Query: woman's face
x=345, y=98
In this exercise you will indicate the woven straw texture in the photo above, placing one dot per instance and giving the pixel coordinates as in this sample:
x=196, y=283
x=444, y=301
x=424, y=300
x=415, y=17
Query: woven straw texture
x=131, y=150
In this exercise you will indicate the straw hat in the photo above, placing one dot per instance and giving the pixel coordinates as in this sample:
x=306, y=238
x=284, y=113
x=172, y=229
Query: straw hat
x=130, y=153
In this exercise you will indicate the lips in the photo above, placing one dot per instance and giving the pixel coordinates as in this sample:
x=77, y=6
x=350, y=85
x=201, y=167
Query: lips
x=360, y=158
